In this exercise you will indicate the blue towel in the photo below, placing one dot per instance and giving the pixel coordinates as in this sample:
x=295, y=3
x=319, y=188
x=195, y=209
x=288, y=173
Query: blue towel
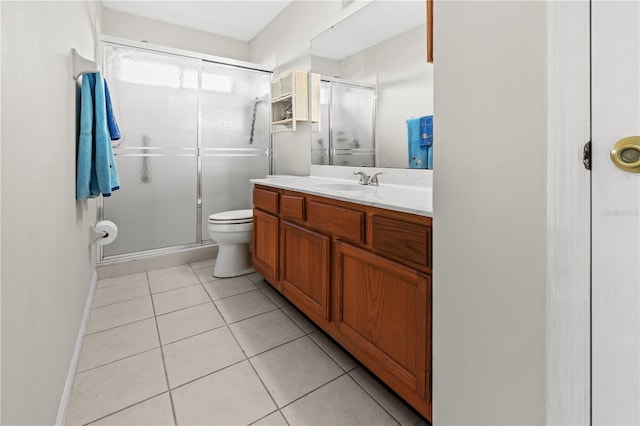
x=417, y=152
x=96, y=168
x=114, y=131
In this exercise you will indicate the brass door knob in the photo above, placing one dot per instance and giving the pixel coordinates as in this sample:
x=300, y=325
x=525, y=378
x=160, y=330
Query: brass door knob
x=626, y=154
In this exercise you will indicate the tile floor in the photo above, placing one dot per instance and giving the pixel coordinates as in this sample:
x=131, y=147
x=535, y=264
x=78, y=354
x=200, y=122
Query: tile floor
x=177, y=346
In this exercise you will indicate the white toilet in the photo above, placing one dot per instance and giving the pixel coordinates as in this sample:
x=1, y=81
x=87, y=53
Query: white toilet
x=232, y=231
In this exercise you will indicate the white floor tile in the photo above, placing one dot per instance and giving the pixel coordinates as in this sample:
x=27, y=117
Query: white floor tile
x=205, y=274
x=209, y=263
x=302, y=321
x=335, y=352
x=112, y=387
x=397, y=408
x=120, y=293
x=226, y=287
x=294, y=369
x=188, y=322
x=255, y=278
x=245, y=305
x=266, y=331
x=196, y=356
x=273, y=419
x=181, y=298
x=153, y=412
x=341, y=402
x=233, y=396
x=106, y=282
x=118, y=314
x=117, y=343
x=275, y=297
x=156, y=273
x=173, y=280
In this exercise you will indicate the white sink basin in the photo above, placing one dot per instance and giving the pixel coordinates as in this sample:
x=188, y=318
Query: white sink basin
x=341, y=187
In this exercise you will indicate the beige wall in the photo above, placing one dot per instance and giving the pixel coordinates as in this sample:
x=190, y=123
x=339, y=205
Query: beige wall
x=489, y=291
x=47, y=265
x=136, y=28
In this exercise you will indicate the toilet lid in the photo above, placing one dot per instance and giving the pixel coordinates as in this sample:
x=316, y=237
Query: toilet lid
x=233, y=216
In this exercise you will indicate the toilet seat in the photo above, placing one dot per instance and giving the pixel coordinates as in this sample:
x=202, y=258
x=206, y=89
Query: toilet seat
x=233, y=217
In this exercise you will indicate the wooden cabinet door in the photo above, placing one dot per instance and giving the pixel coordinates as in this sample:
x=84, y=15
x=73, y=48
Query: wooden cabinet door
x=383, y=309
x=265, y=245
x=304, y=269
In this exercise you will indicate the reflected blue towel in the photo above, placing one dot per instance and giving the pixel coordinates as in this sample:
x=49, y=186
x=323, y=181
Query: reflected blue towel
x=96, y=168
x=426, y=137
x=417, y=152
x=114, y=131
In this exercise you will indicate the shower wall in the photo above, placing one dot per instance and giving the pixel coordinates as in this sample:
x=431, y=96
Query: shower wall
x=193, y=134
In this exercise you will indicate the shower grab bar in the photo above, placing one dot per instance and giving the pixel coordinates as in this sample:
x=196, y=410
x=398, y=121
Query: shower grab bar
x=82, y=65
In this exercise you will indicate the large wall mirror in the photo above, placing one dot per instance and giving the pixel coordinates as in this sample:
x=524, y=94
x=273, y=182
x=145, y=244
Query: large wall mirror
x=374, y=77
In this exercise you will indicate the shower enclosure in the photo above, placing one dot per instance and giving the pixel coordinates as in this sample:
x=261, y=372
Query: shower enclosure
x=347, y=135
x=194, y=129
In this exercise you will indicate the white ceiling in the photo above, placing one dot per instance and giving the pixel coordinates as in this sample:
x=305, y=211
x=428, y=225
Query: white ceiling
x=238, y=19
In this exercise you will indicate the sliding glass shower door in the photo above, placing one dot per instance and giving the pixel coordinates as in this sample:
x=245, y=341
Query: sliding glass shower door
x=190, y=143
x=234, y=136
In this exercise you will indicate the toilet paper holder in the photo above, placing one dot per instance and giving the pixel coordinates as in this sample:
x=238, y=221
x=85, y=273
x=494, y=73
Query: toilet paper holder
x=97, y=235
x=102, y=233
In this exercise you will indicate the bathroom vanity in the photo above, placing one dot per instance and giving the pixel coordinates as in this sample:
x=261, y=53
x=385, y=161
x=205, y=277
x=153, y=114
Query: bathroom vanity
x=357, y=261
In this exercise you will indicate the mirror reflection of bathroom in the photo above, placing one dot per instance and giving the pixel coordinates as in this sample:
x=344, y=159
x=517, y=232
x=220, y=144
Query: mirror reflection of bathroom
x=382, y=46
x=347, y=137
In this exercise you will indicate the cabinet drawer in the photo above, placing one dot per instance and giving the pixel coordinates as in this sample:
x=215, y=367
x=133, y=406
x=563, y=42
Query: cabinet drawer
x=265, y=200
x=401, y=240
x=336, y=221
x=292, y=207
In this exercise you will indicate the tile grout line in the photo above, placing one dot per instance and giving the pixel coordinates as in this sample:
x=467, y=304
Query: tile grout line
x=372, y=397
x=124, y=408
x=164, y=364
x=264, y=385
x=117, y=326
x=248, y=359
x=119, y=359
x=120, y=301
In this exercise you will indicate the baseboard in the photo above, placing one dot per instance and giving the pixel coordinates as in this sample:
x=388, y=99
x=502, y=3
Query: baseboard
x=68, y=385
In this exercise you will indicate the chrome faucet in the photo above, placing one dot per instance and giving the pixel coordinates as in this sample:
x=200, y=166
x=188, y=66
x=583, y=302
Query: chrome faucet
x=364, y=178
x=373, y=180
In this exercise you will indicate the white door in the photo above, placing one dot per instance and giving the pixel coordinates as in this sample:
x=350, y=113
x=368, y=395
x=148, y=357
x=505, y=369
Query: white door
x=615, y=343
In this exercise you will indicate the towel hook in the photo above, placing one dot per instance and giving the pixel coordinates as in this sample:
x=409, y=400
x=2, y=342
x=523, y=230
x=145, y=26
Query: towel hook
x=82, y=65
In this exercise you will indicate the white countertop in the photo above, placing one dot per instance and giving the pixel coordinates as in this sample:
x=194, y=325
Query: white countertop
x=408, y=199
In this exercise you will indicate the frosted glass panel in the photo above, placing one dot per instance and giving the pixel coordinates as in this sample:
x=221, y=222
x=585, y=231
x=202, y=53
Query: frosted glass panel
x=352, y=125
x=154, y=208
x=235, y=137
x=235, y=110
x=157, y=97
x=320, y=140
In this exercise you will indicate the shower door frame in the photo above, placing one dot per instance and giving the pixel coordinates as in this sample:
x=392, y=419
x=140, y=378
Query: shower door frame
x=103, y=40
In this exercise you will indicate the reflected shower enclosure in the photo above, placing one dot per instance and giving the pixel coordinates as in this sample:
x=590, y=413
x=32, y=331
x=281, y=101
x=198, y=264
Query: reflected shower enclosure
x=347, y=133
x=194, y=132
